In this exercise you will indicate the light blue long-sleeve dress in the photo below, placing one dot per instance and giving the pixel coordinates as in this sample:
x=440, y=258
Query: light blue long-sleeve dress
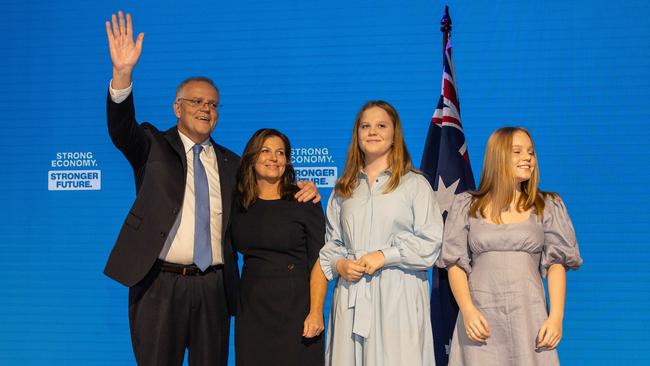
x=383, y=319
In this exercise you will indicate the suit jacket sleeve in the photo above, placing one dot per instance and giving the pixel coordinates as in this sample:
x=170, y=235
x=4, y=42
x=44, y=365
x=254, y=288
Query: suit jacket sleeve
x=127, y=135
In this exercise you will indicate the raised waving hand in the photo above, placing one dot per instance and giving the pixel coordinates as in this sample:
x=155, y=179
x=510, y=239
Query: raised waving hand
x=124, y=51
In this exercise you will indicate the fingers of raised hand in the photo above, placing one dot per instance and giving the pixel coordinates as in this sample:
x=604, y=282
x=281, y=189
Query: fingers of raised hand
x=119, y=26
x=138, y=42
x=129, y=25
x=109, y=32
x=115, y=29
x=120, y=17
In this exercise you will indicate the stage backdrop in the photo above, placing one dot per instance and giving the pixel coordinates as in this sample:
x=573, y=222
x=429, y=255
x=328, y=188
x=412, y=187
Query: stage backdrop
x=576, y=73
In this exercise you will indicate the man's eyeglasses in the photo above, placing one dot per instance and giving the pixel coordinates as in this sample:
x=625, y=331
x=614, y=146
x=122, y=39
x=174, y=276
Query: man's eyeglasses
x=197, y=103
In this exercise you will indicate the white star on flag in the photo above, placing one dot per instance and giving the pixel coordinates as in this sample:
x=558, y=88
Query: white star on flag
x=445, y=195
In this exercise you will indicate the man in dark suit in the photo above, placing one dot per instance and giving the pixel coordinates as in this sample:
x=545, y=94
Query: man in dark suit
x=172, y=251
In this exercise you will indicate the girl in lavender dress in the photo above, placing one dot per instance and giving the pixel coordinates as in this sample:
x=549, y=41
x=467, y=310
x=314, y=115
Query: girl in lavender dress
x=498, y=244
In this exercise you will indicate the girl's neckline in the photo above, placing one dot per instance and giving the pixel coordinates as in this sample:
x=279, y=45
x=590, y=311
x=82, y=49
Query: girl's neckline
x=527, y=219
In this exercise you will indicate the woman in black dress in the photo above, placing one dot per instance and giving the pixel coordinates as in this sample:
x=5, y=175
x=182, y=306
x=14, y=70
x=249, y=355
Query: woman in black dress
x=280, y=314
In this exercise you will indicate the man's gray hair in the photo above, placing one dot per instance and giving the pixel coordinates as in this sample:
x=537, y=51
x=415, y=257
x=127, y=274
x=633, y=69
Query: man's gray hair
x=202, y=79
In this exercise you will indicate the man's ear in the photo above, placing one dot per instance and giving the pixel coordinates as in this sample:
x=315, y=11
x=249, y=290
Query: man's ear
x=177, y=109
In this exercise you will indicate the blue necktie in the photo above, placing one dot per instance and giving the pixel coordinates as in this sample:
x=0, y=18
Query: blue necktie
x=202, y=243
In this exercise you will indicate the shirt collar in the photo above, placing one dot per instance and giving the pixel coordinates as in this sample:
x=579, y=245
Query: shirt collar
x=188, y=143
x=387, y=172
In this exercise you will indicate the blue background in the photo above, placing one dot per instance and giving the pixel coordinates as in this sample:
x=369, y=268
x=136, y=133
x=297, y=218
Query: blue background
x=576, y=73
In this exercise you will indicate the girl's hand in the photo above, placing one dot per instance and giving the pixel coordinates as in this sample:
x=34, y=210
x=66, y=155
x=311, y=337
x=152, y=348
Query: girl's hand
x=373, y=261
x=550, y=333
x=476, y=326
x=350, y=270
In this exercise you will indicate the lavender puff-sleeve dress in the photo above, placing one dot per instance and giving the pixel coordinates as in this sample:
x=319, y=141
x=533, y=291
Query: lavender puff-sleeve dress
x=505, y=264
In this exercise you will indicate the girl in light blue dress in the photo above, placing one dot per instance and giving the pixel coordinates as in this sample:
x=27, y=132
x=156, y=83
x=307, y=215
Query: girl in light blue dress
x=384, y=231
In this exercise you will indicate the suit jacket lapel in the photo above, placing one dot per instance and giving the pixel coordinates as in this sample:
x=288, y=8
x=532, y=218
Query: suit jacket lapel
x=226, y=186
x=174, y=140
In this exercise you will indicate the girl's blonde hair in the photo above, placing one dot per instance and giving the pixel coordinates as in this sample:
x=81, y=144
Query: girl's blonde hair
x=399, y=159
x=497, y=187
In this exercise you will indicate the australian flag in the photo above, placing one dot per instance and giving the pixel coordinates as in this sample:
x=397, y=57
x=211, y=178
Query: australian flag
x=445, y=162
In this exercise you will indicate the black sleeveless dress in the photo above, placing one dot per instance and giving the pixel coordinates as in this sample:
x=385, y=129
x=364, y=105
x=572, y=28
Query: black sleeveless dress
x=280, y=241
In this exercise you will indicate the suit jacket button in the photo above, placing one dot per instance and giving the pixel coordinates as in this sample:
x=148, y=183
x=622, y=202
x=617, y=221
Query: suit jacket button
x=175, y=210
x=163, y=234
x=291, y=266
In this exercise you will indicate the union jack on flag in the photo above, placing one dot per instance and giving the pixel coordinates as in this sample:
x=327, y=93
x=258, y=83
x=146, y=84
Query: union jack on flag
x=446, y=164
x=445, y=159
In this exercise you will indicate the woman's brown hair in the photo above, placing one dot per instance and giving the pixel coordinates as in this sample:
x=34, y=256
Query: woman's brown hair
x=399, y=159
x=246, y=180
